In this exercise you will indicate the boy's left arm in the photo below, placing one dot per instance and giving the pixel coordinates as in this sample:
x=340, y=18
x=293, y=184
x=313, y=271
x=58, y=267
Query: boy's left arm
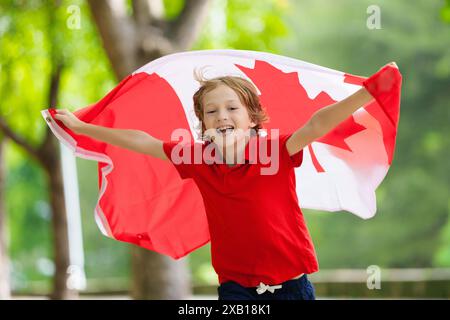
x=327, y=118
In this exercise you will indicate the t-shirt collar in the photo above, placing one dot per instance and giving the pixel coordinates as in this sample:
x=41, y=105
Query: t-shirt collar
x=252, y=139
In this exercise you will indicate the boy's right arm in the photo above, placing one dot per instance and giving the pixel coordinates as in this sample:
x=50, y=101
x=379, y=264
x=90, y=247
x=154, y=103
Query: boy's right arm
x=135, y=140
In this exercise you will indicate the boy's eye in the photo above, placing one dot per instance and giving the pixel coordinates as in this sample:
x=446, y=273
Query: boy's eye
x=231, y=108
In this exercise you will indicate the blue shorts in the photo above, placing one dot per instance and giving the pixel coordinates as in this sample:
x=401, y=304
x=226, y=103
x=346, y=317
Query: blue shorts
x=296, y=289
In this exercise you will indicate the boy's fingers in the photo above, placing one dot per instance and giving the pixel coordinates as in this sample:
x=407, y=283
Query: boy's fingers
x=392, y=63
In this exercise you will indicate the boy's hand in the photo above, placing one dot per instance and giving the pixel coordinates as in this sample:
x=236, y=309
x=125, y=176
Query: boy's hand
x=69, y=120
x=392, y=63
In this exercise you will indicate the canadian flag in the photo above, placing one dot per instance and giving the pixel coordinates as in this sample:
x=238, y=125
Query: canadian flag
x=142, y=200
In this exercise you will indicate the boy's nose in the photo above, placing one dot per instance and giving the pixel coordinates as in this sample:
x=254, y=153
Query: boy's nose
x=222, y=115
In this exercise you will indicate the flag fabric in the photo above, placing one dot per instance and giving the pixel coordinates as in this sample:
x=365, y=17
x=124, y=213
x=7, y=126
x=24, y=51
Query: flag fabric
x=142, y=200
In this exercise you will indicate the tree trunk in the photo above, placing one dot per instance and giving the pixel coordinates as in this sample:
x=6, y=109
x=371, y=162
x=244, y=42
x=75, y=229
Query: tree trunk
x=50, y=158
x=129, y=43
x=52, y=165
x=163, y=277
x=5, y=290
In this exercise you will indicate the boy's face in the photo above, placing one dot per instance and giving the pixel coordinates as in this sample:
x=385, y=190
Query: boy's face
x=225, y=117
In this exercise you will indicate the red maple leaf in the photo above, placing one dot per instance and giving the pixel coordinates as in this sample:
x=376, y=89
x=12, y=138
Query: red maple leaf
x=289, y=107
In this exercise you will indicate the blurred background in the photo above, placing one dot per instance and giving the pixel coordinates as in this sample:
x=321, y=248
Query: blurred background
x=70, y=53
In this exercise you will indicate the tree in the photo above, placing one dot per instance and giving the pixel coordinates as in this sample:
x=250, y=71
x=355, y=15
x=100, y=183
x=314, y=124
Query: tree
x=131, y=42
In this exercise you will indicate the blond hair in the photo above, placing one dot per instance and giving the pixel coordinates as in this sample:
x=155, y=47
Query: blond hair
x=245, y=90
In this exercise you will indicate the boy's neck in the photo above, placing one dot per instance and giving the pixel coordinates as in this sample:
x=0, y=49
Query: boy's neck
x=231, y=154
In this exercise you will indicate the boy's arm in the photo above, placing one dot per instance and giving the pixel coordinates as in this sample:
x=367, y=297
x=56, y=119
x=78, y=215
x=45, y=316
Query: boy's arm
x=135, y=140
x=325, y=119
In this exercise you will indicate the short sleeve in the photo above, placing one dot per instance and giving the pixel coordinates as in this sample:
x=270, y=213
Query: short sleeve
x=178, y=154
x=294, y=160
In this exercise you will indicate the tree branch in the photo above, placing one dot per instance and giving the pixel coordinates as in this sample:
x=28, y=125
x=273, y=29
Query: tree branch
x=52, y=101
x=116, y=29
x=55, y=78
x=6, y=129
x=184, y=30
x=147, y=11
x=154, y=44
x=42, y=151
x=164, y=37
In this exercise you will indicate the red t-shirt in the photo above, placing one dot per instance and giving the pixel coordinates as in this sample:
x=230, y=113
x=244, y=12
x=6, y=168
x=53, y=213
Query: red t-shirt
x=257, y=230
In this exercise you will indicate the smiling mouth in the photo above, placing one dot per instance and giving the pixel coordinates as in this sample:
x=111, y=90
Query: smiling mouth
x=225, y=130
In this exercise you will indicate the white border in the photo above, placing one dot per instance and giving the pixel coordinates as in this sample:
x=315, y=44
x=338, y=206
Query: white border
x=68, y=141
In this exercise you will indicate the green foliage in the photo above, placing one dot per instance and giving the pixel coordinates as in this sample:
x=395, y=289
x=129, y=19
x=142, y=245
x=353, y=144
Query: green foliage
x=25, y=65
x=29, y=219
x=246, y=25
x=172, y=8
x=21, y=64
x=442, y=256
x=445, y=11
